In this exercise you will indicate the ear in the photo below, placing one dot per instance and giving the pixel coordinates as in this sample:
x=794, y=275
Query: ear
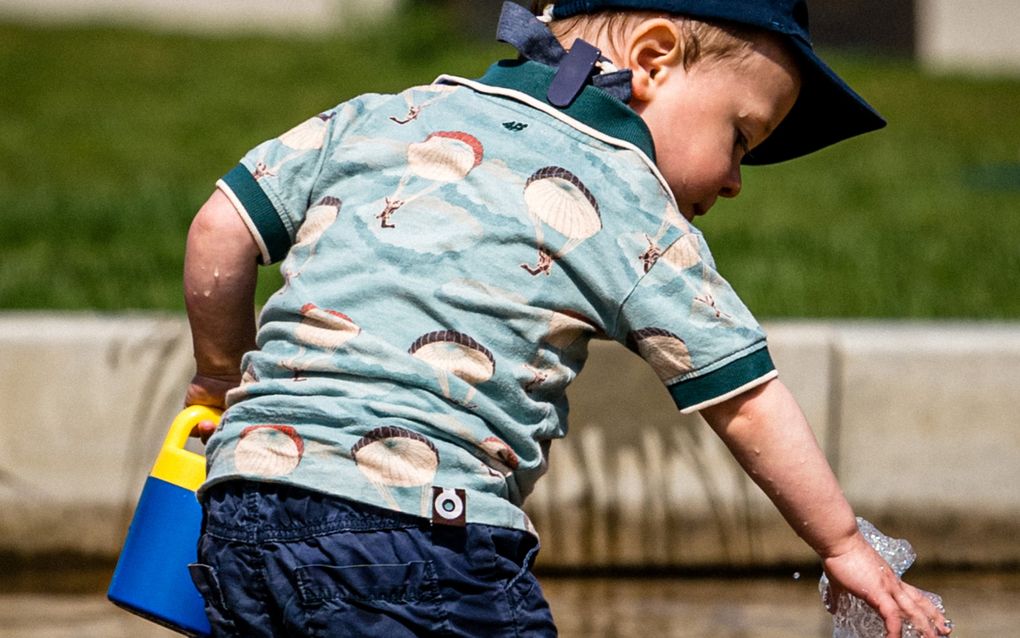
x=654, y=50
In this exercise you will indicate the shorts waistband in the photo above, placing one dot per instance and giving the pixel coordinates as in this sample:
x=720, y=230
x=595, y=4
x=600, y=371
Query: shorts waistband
x=264, y=512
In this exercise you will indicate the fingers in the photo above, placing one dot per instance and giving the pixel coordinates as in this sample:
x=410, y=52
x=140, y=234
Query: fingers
x=911, y=609
x=893, y=625
x=931, y=617
x=204, y=430
x=208, y=391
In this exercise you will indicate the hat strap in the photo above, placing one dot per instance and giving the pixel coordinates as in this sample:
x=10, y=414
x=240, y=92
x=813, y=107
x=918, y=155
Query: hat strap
x=534, y=41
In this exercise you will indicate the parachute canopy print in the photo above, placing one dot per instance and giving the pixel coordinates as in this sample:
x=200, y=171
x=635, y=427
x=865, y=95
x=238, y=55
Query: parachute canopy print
x=317, y=219
x=456, y=353
x=500, y=454
x=566, y=327
x=325, y=329
x=557, y=199
x=248, y=377
x=452, y=352
x=394, y=457
x=446, y=156
x=681, y=254
x=663, y=350
x=443, y=157
x=268, y=450
x=309, y=135
x=414, y=109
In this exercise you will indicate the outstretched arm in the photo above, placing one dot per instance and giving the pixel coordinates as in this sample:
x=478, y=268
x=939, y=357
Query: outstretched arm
x=769, y=436
x=220, y=271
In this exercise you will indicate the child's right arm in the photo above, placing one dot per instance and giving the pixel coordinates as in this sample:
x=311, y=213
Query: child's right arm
x=220, y=271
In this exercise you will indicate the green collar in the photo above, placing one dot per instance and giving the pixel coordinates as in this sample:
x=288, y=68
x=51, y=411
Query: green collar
x=593, y=107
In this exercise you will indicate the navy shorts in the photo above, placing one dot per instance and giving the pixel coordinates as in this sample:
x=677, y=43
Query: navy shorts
x=280, y=561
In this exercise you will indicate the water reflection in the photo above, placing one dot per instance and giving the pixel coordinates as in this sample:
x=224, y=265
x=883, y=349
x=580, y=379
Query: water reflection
x=702, y=608
x=980, y=604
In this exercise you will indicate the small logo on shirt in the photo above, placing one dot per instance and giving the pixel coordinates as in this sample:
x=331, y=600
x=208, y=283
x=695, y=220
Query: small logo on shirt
x=449, y=506
x=515, y=126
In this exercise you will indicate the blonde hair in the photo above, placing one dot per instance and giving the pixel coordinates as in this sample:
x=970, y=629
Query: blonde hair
x=700, y=40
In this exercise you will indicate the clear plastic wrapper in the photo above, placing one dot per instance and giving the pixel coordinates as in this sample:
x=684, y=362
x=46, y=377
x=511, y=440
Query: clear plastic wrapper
x=853, y=618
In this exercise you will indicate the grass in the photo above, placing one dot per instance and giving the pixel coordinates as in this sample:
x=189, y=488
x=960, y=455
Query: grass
x=112, y=138
x=921, y=219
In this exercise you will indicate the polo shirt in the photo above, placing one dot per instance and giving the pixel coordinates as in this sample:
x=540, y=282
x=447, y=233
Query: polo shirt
x=448, y=253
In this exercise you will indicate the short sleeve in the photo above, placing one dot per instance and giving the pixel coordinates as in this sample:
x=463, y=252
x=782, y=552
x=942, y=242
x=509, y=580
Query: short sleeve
x=686, y=321
x=274, y=183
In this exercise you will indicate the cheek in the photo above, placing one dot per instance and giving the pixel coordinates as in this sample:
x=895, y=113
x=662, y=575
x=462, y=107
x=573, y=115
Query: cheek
x=695, y=166
x=693, y=177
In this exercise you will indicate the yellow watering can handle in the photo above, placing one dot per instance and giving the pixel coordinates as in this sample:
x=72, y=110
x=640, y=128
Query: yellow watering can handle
x=185, y=422
x=175, y=464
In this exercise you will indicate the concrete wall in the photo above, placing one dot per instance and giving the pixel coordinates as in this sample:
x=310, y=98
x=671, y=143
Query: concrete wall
x=919, y=421
x=84, y=404
x=969, y=35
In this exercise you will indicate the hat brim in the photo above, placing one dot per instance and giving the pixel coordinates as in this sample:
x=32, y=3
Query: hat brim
x=826, y=111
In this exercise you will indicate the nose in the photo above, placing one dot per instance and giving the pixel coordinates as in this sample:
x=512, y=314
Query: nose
x=731, y=186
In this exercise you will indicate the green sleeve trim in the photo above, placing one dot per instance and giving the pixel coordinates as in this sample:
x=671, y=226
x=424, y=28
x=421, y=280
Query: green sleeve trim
x=260, y=211
x=738, y=375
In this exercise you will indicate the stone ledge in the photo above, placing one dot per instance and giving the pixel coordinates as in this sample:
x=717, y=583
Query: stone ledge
x=917, y=419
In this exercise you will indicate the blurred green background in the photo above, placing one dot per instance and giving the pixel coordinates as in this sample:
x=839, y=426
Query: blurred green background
x=111, y=139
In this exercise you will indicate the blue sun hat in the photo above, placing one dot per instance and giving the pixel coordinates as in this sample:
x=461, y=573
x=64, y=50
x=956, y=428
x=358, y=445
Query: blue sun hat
x=827, y=110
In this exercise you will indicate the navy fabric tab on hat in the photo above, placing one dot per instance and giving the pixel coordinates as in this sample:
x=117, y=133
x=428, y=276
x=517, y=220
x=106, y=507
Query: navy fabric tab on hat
x=574, y=73
x=519, y=28
x=827, y=110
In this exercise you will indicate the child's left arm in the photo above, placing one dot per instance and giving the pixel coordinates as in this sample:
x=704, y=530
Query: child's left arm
x=769, y=436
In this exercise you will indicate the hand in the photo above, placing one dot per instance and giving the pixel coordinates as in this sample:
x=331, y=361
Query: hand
x=211, y=391
x=861, y=571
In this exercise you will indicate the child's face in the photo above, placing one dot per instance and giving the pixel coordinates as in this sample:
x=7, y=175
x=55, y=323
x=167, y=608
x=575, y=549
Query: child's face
x=704, y=119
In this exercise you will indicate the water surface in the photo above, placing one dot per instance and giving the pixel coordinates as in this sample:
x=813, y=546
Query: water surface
x=981, y=604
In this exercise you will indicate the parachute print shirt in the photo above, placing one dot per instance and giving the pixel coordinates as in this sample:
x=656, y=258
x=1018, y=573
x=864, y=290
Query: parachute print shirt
x=448, y=253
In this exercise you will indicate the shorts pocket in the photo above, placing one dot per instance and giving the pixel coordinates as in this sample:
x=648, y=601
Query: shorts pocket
x=368, y=600
x=530, y=610
x=204, y=577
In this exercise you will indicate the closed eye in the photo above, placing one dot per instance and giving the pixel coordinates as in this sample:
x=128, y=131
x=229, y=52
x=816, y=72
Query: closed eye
x=741, y=142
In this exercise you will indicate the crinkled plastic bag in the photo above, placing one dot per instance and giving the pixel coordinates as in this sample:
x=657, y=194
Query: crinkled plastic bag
x=853, y=617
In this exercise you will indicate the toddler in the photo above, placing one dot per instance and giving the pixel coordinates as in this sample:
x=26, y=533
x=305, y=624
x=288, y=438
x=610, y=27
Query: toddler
x=448, y=253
